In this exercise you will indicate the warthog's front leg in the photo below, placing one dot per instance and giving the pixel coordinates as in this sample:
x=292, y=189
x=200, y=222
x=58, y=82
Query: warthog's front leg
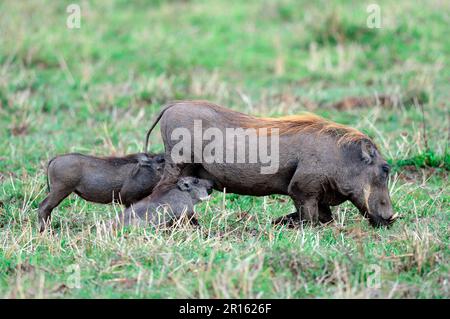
x=290, y=220
x=293, y=219
x=309, y=210
x=325, y=215
x=306, y=203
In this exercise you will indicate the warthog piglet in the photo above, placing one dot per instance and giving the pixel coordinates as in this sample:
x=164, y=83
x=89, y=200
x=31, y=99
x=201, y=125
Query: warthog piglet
x=124, y=180
x=169, y=204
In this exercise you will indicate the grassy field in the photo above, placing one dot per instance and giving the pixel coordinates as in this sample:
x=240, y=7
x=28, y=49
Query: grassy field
x=96, y=90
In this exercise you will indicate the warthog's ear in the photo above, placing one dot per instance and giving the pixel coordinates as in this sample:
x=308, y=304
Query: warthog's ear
x=135, y=170
x=183, y=185
x=159, y=159
x=144, y=160
x=368, y=151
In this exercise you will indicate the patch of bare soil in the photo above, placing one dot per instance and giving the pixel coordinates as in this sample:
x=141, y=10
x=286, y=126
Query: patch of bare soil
x=290, y=99
x=5, y=175
x=411, y=173
x=20, y=129
x=353, y=102
x=25, y=267
x=383, y=100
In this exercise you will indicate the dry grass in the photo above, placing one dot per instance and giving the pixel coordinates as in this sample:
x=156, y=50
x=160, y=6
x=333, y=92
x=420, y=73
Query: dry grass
x=96, y=90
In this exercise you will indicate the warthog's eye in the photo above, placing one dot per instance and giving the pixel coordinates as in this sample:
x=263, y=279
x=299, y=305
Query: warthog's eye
x=385, y=168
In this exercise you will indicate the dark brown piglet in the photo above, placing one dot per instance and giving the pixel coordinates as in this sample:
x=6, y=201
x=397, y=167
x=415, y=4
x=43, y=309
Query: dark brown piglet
x=103, y=180
x=172, y=202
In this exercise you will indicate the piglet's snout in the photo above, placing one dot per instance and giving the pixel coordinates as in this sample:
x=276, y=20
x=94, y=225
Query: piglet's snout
x=205, y=198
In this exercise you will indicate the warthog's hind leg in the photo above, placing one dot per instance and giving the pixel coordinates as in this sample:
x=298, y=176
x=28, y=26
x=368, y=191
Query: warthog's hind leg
x=49, y=203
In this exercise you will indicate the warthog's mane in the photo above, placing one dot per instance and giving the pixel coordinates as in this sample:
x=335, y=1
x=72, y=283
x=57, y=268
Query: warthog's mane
x=292, y=124
x=308, y=123
x=127, y=159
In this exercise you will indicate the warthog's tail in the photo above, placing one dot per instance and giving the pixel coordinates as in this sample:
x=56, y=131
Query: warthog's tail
x=48, y=165
x=164, y=108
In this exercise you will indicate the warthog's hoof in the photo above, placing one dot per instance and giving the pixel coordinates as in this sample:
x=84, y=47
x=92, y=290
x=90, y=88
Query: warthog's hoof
x=291, y=220
x=325, y=219
x=194, y=221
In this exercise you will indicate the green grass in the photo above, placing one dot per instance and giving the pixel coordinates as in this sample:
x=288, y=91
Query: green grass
x=96, y=90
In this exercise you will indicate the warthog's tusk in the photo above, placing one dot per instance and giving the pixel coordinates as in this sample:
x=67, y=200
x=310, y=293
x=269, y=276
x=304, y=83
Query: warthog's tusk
x=394, y=216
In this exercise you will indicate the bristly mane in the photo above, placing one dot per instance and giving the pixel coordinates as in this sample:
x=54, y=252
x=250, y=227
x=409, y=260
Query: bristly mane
x=127, y=159
x=307, y=123
x=123, y=160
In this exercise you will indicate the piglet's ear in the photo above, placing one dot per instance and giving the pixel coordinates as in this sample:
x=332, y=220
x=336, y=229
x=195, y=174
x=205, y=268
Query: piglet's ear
x=183, y=185
x=144, y=160
x=135, y=170
x=159, y=159
x=368, y=152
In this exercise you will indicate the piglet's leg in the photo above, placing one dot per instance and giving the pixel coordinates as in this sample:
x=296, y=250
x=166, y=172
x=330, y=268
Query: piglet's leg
x=194, y=221
x=131, y=192
x=53, y=199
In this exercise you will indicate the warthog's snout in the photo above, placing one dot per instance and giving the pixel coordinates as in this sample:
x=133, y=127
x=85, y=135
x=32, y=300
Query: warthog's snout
x=206, y=188
x=378, y=220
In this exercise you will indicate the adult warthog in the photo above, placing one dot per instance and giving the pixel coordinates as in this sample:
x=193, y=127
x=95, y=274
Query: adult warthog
x=318, y=163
